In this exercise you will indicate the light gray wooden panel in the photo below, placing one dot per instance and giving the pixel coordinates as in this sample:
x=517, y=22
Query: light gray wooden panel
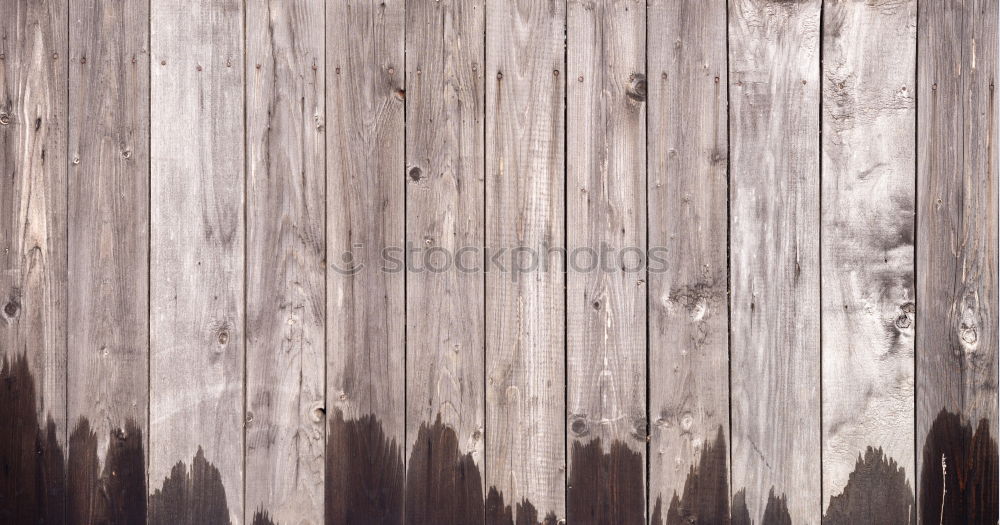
x=774, y=202
x=688, y=205
x=957, y=306
x=606, y=215
x=286, y=184
x=108, y=318
x=445, y=213
x=197, y=242
x=365, y=212
x=525, y=312
x=33, y=83
x=867, y=243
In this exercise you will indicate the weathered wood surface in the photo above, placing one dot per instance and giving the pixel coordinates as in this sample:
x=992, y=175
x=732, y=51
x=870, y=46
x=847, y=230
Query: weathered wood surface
x=956, y=343
x=445, y=212
x=606, y=306
x=197, y=252
x=774, y=121
x=108, y=226
x=365, y=214
x=869, y=115
x=525, y=312
x=33, y=115
x=688, y=299
x=285, y=281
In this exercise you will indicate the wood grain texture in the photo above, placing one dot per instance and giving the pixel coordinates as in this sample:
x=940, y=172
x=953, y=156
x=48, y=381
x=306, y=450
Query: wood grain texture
x=868, y=209
x=956, y=343
x=108, y=318
x=774, y=209
x=197, y=242
x=445, y=214
x=525, y=312
x=688, y=206
x=606, y=205
x=286, y=184
x=365, y=203
x=33, y=114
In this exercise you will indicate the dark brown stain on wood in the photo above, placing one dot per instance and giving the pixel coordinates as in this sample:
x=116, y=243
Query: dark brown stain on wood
x=261, y=517
x=959, y=473
x=442, y=484
x=524, y=513
x=364, y=473
x=741, y=514
x=190, y=497
x=775, y=512
x=116, y=495
x=32, y=475
x=705, y=497
x=877, y=493
x=606, y=488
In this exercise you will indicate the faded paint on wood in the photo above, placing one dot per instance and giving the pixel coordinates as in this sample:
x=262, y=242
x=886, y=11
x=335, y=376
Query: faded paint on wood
x=525, y=312
x=774, y=201
x=688, y=295
x=957, y=261
x=33, y=115
x=286, y=184
x=606, y=215
x=365, y=305
x=108, y=319
x=197, y=247
x=445, y=214
x=867, y=244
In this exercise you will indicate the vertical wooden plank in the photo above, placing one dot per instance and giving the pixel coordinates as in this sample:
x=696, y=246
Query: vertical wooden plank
x=33, y=83
x=688, y=301
x=444, y=220
x=365, y=306
x=957, y=262
x=286, y=184
x=774, y=211
x=867, y=260
x=197, y=260
x=606, y=305
x=108, y=320
x=525, y=310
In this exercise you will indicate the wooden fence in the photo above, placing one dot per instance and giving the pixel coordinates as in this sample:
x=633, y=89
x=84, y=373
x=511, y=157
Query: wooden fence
x=498, y=261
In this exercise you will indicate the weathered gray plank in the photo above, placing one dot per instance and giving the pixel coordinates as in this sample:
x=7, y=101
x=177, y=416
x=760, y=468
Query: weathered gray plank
x=444, y=214
x=197, y=248
x=688, y=301
x=33, y=170
x=33, y=82
x=285, y=74
x=867, y=257
x=525, y=311
x=606, y=215
x=957, y=262
x=108, y=320
x=365, y=306
x=774, y=203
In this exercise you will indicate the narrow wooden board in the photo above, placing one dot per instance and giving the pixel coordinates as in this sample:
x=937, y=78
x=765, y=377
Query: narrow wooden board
x=108, y=319
x=286, y=284
x=956, y=262
x=197, y=253
x=869, y=117
x=688, y=294
x=365, y=294
x=606, y=217
x=525, y=311
x=33, y=114
x=774, y=75
x=445, y=219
